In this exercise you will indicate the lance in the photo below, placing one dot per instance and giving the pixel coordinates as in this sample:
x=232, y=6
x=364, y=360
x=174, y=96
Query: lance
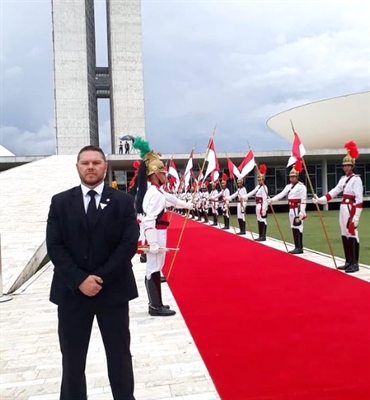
x=187, y=214
x=241, y=205
x=317, y=206
x=272, y=208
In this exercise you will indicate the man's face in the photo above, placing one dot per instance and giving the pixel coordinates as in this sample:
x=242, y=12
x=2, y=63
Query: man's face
x=347, y=168
x=91, y=168
x=293, y=179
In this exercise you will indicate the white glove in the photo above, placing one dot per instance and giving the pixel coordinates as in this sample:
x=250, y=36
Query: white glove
x=152, y=239
x=302, y=214
x=320, y=200
x=356, y=217
x=184, y=204
x=269, y=201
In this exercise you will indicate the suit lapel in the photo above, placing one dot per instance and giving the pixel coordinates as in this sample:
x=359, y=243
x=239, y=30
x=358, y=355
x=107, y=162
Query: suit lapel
x=77, y=206
x=104, y=201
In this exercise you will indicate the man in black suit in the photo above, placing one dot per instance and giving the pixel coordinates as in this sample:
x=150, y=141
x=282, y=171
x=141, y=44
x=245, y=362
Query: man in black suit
x=91, y=238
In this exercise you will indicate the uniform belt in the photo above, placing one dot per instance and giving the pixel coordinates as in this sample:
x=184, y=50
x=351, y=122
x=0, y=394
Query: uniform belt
x=294, y=203
x=259, y=200
x=347, y=199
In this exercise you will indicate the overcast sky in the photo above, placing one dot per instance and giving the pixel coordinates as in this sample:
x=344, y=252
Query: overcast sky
x=230, y=63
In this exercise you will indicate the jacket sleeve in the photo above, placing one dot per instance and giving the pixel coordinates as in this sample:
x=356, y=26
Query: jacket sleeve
x=126, y=249
x=64, y=265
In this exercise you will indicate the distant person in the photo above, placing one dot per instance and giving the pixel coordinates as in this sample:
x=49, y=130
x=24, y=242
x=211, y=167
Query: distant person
x=350, y=185
x=260, y=192
x=296, y=192
x=240, y=194
x=213, y=203
x=91, y=237
x=120, y=148
x=223, y=194
x=114, y=185
x=127, y=147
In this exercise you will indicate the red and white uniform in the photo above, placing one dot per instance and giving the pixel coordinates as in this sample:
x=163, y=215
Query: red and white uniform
x=223, y=195
x=155, y=217
x=213, y=203
x=352, y=189
x=260, y=192
x=240, y=194
x=297, y=196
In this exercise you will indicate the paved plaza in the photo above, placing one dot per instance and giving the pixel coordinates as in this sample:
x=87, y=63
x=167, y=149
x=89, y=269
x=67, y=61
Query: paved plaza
x=166, y=361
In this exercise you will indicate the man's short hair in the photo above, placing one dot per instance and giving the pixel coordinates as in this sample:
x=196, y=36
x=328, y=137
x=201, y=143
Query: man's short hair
x=91, y=148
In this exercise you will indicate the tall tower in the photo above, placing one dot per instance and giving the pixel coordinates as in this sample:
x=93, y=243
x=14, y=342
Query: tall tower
x=79, y=82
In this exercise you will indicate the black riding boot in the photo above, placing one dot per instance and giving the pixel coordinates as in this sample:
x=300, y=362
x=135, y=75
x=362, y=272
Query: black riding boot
x=297, y=236
x=347, y=253
x=226, y=222
x=205, y=215
x=355, y=251
x=215, y=220
x=153, y=287
x=261, y=232
x=241, y=227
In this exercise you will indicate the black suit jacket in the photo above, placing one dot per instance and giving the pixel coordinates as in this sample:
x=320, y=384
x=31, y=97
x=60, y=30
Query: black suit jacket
x=106, y=250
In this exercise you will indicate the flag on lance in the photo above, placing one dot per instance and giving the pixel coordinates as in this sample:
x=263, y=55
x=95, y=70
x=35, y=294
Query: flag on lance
x=173, y=172
x=247, y=164
x=188, y=170
x=233, y=171
x=213, y=165
x=298, y=150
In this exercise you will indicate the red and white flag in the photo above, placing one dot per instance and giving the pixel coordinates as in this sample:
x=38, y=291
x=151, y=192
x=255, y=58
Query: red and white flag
x=298, y=150
x=213, y=165
x=247, y=164
x=173, y=172
x=233, y=171
x=188, y=170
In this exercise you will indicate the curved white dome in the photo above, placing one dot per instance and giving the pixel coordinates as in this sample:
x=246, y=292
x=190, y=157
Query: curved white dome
x=327, y=123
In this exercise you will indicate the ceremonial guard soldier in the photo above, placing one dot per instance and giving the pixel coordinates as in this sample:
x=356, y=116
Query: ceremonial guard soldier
x=151, y=203
x=350, y=185
x=261, y=193
x=203, y=201
x=224, y=204
x=296, y=192
x=240, y=194
x=213, y=203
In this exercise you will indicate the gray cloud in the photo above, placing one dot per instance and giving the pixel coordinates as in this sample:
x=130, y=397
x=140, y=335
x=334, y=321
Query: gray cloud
x=234, y=64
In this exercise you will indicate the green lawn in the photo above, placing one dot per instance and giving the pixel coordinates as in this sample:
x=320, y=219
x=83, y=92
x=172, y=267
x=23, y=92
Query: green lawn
x=313, y=235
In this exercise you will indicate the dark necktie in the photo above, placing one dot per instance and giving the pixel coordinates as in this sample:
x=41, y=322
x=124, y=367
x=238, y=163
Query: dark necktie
x=92, y=211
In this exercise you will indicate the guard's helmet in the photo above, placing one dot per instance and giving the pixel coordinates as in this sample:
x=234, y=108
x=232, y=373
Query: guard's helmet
x=262, y=171
x=153, y=163
x=293, y=172
x=297, y=168
x=352, y=154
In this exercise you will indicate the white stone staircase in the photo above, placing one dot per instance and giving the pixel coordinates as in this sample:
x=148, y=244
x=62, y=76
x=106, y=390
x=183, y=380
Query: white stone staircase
x=25, y=195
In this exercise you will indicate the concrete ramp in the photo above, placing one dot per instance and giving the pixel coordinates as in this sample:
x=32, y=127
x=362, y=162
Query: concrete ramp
x=25, y=195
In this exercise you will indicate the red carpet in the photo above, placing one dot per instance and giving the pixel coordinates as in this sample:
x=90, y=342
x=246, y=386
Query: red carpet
x=267, y=324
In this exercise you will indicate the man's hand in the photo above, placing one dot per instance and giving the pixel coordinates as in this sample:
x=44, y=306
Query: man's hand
x=153, y=248
x=302, y=215
x=356, y=217
x=320, y=200
x=91, y=286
